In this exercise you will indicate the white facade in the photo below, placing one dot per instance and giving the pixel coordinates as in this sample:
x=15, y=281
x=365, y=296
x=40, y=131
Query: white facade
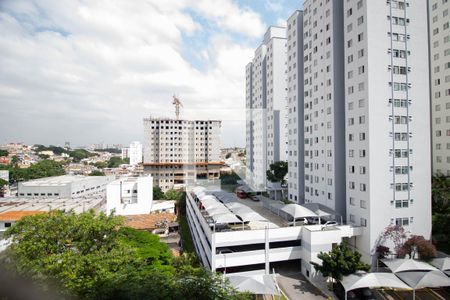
x=361, y=88
x=178, y=151
x=130, y=196
x=125, y=153
x=266, y=126
x=324, y=126
x=66, y=186
x=387, y=110
x=135, y=153
x=295, y=92
x=440, y=84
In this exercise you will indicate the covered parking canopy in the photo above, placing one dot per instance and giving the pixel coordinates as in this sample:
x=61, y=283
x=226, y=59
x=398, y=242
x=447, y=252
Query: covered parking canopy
x=372, y=280
x=402, y=264
x=442, y=263
x=256, y=284
x=298, y=211
x=248, y=216
x=217, y=210
x=226, y=218
x=319, y=209
x=422, y=279
x=198, y=189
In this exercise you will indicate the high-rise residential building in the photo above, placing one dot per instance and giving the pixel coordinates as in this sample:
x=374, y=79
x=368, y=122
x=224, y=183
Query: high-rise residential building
x=125, y=153
x=323, y=102
x=266, y=107
x=135, y=153
x=387, y=118
x=358, y=112
x=295, y=92
x=439, y=34
x=180, y=151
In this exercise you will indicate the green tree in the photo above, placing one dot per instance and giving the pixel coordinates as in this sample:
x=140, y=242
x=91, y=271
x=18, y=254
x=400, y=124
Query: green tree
x=277, y=171
x=97, y=173
x=41, y=169
x=101, y=164
x=440, y=194
x=173, y=195
x=3, y=182
x=94, y=257
x=4, y=152
x=79, y=154
x=157, y=193
x=115, y=162
x=15, y=161
x=340, y=261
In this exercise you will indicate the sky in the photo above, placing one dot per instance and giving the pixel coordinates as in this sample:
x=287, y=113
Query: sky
x=89, y=71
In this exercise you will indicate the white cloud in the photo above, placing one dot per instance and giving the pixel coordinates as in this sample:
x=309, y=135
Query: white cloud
x=89, y=71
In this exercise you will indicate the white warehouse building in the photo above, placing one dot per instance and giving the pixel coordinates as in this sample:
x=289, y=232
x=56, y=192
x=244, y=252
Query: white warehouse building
x=66, y=186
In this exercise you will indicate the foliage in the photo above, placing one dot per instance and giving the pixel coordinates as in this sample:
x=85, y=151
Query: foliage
x=3, y=182
x=97, y=173
x=173, y=195
x=157, y=193
x=43, y=156
x=425, y=248
x=340, y=261
x=4, y=152
x=115, y=162
x=100, y=164
x=229, y=179
x=109, y=150
x=382, y=251
x=228, y=155
x=441, y=194
x=41, y=169
x=93, y=257
x=79, y=154
x=277, y=171
x=397, y=234
x=441, y=211
x=185, y=234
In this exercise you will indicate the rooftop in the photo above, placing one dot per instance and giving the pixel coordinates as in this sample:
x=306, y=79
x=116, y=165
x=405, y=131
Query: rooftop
x=17, y=215
x=149, y=221
x=60, y=180
x=78, y=205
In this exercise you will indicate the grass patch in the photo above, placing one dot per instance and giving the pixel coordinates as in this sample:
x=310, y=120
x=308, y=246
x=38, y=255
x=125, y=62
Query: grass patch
x=185, y=233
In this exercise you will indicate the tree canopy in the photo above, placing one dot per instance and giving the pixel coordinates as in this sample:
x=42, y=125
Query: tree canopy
x=93, y=256
x=340, y=261
x=41, y=169
x=424, y=248
x=277, y=171
x=4, y=152
x=115, y=162
x=157, y=193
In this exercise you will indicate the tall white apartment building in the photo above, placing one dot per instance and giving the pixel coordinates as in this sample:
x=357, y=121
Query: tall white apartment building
x=295, y=92
x=178, y=151
x=266, y=107
x=135, y=153
x=439, y=33
x=387, y=105
x=324, y=98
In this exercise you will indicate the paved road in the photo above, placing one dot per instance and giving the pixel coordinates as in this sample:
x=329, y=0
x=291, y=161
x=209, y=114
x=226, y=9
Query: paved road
x=295, y=286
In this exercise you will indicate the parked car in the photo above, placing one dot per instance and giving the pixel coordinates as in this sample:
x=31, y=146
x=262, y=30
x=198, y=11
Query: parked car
x=241, y=194
x=254, y=198
x=330, y=223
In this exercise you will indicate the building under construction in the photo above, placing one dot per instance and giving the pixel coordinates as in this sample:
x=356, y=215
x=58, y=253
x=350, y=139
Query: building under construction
x=177, y=152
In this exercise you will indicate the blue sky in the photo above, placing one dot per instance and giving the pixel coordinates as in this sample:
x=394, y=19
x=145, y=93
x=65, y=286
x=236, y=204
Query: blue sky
x=90, y=71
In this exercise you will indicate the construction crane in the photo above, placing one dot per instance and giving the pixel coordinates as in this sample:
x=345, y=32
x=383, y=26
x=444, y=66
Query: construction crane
x=177, y=104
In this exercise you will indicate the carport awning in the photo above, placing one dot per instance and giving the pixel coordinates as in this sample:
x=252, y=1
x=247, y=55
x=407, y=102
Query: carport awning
x=442, y=263
x=372, y=280
x=298, y=211
x=422, y=279
x=402, y=264
x=256, y=284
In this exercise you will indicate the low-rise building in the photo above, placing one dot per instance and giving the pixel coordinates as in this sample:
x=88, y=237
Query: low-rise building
x=130, y=196
x=66, y=186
